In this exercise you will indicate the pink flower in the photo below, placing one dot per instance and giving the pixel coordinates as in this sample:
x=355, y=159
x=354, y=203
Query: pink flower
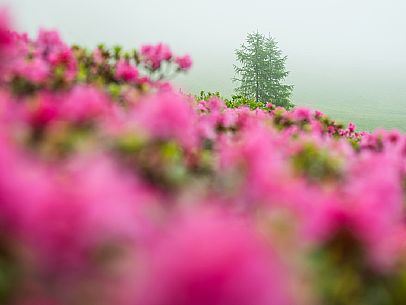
x=316, y=126
x=145, y=80
x=44, y=110
x=228, y=118
x=215, y=104
x=25, y=185
x=318, y=114
x=301, y=114
x=6, y=37
x=163, y=86
x=394, y=136
x=35, y=70
x=85, y=103
x=49, y=39
x=167, y=115
x=258, y=162
x=126, y=72
x=90, y=204
x=184, y=62
x=211, y=258
x=7, y=43
x=331, y=130
x=155, y=55
x=351, y=127
x=369, y=208
x=64, y=57
x=98, y=56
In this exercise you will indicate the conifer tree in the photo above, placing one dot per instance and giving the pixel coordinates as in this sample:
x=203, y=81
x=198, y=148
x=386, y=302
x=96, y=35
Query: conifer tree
x=261, y=71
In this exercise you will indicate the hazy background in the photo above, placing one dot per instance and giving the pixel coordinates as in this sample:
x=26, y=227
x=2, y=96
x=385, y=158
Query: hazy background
x=346, y=57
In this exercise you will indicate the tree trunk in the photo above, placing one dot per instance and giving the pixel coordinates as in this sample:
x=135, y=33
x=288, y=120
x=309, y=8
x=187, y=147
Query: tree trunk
x=256, y=73
x=257, y=92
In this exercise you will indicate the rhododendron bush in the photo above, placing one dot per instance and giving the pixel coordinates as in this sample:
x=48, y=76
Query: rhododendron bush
x=115, y=188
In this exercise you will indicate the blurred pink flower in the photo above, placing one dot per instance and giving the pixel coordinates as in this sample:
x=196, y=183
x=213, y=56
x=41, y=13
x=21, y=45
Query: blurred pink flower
x=89, y=204
x=301, y=113
x=184, y=62
x=211, y=258
x=43, y=111
x=6, y=37
x=156, y=54
x=49, y=39
x=126, y=72
x=97, y=56
x=351, y=127
x=85, y=103
x=167, y=115
x=370, y=208
x=35, y=70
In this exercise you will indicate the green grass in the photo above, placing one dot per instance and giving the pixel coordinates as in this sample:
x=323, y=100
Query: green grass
x=368, y=118
x=370, y=99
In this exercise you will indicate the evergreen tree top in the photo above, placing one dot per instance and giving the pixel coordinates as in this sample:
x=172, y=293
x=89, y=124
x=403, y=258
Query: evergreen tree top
x=261, y=71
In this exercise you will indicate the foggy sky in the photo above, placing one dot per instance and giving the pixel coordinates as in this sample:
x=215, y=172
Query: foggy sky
x=341, y=53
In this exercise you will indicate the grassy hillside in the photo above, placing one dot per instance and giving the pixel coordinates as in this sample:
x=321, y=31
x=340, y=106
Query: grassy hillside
x=369, y=100
x=369, y=117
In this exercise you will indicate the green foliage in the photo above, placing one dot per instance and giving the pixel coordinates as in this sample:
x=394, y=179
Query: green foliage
x=345, y=278
x=316, y=164
x=204, y=96
x=9, y=270
x=240, y=100
x=235, y=101
x=262, y=71
x=159, y=162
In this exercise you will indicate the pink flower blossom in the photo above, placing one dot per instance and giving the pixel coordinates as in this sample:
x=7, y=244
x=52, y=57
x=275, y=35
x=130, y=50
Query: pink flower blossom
x=351, y=127
x=6, y=37
x=184, y=62
x=85, y=103
x=64, y=57
x=209, y=258
x=155, y=55
x=167, y=115
x=43, y=111
x=318, y=114
x=97, y=56
x=373, y=186
x=79, y=198
x=35, y=70
x=126, y=72
x=49, y=39
x=302, y=114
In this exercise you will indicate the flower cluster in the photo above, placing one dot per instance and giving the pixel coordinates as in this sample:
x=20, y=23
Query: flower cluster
x=117, y=189
x=47, y=62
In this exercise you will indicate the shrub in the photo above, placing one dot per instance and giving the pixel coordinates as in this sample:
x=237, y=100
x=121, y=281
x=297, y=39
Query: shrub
x=117, y=189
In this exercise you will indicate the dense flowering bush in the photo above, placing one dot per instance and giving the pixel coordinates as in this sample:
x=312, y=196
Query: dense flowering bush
x=117, y=189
